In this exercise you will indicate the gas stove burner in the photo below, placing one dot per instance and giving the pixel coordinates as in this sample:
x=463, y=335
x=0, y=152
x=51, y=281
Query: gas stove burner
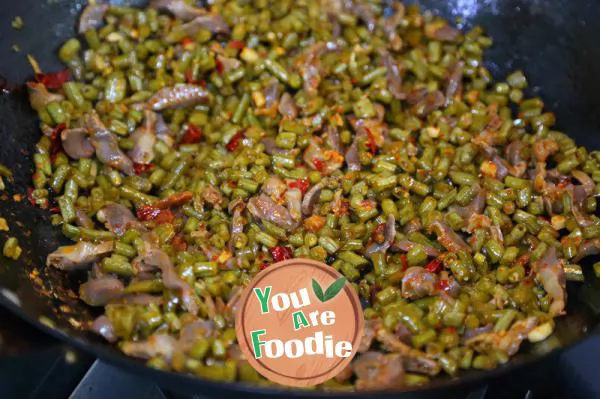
x=103, y=381
x=482, y=393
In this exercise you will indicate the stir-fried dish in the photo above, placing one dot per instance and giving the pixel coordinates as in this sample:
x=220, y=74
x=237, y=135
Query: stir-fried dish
x=186, y=148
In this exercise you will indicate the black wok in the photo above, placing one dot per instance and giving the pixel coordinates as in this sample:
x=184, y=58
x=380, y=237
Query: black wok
x=554, y=41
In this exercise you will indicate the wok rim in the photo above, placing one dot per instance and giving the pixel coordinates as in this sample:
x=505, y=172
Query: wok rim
x=114, y=357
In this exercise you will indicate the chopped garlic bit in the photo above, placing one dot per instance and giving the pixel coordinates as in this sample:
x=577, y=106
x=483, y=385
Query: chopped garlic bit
x=3, y=225
x=17, y=23
x=541, y=332
x=488, y=168
x=259, y=99
x=223, y=257
x=34, y=64
x=249, y=55
x=558, y=222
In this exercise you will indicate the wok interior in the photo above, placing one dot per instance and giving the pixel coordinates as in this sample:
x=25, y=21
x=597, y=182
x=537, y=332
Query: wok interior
x=553, y=41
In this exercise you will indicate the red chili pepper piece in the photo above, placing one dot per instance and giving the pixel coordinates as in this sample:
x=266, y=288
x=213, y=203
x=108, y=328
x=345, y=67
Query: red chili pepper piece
x=174, y=200
x=55, y=209
x=55, y=141
x=220, y=66
x=55, y=134
x=147, y=212
x=564, y=182
x=164, y=216
x=30, y=196
x=372, y=144
x=319, y=164
x=404, y=262
x=192, y=135
x=140, y=168
x=237, y=44
x=378, y=232
x=435, y=266
x=189, y=77
x=53, y=80
x=280, y=253
x=187, y=40
x=235, y=141
x=300, y=184
x=179, y=243
x=443, y=285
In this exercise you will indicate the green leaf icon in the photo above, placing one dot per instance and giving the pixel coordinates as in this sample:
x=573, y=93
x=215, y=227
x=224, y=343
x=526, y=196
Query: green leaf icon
x=334, y=289
x=317, y=290
x=331, y=291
